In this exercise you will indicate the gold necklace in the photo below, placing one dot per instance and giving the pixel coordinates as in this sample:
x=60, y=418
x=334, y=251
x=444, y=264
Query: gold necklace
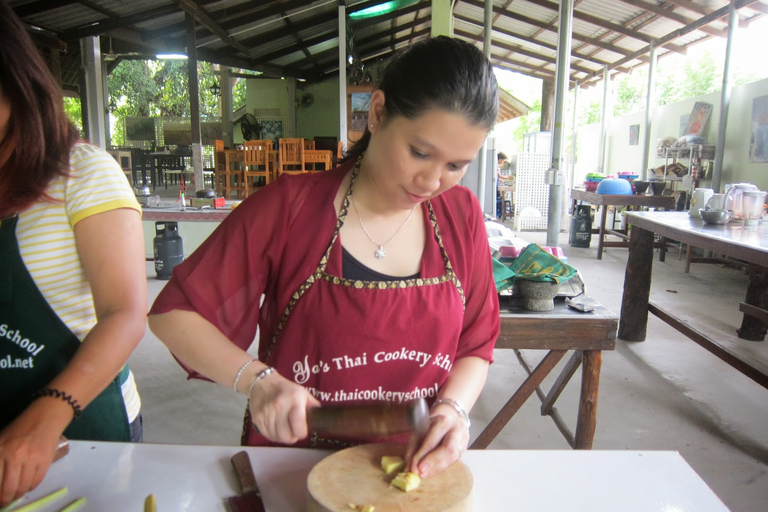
x=380, y=253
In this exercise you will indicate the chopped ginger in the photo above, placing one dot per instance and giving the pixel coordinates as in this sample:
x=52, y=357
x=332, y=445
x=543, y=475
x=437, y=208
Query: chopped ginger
x=406, y=481
x=392, y=464
x=362, y=508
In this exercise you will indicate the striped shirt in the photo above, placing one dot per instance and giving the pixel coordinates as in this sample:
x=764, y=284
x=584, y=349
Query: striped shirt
x=46, y=237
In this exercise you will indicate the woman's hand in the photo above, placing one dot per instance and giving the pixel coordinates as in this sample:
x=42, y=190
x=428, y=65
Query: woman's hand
x=279, y=409
x=27, y=448
x=446, y=439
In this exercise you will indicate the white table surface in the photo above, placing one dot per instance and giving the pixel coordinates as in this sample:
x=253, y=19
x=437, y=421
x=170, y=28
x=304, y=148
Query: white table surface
x=116, y=477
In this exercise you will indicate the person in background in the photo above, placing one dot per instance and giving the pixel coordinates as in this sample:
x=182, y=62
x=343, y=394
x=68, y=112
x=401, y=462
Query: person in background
x=73, y=292
x=376, y=277
x=501, y=159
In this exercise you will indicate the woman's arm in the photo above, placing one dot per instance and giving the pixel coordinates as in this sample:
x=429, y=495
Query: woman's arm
x=111, y=249
x=278, y=406
x=448, y=433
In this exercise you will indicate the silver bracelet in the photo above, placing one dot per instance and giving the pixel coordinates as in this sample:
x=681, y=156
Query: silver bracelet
x=240, y=374
x=263, y=373
x=456, y=407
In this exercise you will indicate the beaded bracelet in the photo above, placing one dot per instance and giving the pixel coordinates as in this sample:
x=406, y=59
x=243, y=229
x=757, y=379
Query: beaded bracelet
x=263, y=373
x=240, y=374
x=456, y=407
x=55, y=393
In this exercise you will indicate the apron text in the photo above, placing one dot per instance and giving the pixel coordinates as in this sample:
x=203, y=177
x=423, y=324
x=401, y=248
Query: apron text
x=14, y=336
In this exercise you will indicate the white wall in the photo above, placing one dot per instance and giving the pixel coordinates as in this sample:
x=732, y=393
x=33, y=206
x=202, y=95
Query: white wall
x=665, y=122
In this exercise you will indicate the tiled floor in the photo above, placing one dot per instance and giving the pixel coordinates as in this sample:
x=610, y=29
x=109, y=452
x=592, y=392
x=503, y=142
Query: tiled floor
x=663, y=394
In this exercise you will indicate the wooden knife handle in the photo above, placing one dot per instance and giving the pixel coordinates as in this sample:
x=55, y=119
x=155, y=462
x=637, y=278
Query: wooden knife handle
x=61, y=449
x=242, y=464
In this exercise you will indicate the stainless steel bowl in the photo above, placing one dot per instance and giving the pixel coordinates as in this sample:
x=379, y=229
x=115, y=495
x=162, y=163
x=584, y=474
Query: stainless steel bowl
x=715, y=216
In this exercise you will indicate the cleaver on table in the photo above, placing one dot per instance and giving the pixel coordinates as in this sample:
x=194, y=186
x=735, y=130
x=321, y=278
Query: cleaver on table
x=250, y=499
x=381, y=419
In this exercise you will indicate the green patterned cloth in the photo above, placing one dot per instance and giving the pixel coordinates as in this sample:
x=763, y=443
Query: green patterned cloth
x=533, y=264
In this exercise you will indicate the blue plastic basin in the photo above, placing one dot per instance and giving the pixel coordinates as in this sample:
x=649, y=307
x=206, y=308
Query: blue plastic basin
x=615, y=187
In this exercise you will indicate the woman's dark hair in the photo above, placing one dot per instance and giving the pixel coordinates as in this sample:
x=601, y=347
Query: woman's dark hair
x=437, y=73
x=501, y=156
x=39, y=136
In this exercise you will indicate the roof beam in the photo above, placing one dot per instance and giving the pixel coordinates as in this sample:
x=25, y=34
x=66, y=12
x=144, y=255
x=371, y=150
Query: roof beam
x=704, y=20
x=205, y=19
x=40, y=6
x=518, y=50
x=533, y=41
x=104, y=26
x=546, y=26
x=672, y=15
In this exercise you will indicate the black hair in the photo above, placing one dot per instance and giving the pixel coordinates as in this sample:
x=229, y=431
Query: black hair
x=437, y=73
x=501, y=156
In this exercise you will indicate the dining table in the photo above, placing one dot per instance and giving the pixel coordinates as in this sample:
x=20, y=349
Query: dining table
x=118, y=477
x=605, y=201
x=735, y=240
x=561, y=331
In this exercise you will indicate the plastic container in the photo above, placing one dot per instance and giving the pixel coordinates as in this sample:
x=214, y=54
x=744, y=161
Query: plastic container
x=615, y=187
x=168, y=248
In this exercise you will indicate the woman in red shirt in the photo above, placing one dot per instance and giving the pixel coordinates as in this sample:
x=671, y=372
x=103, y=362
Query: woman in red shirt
x=375, y=278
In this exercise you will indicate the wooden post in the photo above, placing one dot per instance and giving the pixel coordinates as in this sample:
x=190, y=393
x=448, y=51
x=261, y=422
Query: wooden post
x=753, y=328
x=590, y=382
x=633, y=321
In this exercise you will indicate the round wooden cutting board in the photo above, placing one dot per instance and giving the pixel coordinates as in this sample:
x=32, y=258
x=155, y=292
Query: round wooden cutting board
x=355, y=476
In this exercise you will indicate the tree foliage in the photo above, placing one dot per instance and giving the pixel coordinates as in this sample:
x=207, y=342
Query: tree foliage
x=148, y=88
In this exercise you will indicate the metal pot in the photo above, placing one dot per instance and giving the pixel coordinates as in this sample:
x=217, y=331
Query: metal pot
x=143, y=191
x=206, y=193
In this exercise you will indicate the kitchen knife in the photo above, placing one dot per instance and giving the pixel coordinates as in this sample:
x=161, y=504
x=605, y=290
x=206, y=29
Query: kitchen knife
x=61, y=449
x=381, y=419
x=250, y=499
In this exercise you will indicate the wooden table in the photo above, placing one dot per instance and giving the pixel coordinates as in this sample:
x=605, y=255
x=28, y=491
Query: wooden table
x=733, y=239
x=116, y=477
x=605, y=200
x=558, y=331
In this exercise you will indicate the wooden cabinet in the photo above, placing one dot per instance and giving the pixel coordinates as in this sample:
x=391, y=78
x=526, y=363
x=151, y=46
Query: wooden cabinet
x=358, y=100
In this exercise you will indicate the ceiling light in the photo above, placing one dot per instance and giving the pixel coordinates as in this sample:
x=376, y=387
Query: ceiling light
x=170, y=56
x=382, y=8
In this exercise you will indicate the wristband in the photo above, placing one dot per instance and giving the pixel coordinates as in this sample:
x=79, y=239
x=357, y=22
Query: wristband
x=240, y=374
x=456, y=407
x=55, y=393
x=263, y=373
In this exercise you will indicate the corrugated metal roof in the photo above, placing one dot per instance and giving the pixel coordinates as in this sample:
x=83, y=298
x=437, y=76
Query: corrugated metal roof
x=276, y=35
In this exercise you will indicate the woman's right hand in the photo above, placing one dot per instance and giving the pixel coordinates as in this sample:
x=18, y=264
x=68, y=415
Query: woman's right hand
x=27, y=448
x=279, y=409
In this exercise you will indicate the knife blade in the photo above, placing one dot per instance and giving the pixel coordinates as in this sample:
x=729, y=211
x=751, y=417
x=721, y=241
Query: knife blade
x=250, y=498
x=61, y=449
x=380, y=419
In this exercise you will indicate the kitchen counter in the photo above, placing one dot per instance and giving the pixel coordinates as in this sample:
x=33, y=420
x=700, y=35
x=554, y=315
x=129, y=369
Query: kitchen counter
x=117, y=477
x=174, y=214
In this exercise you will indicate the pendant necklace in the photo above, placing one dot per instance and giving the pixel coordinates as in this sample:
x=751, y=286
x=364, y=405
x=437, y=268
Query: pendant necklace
x=380, y=253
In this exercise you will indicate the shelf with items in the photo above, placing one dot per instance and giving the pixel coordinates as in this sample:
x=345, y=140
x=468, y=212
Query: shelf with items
x=698, y=158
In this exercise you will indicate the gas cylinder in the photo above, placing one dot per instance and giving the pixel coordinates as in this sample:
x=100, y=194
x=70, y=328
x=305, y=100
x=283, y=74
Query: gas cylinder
x=581, y=226
x=168, y=248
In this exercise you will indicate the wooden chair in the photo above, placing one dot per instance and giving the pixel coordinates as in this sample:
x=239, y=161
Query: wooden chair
x=290, y=158
x=313, y=157
x=309, y=144
x=229, y=173
x=255, y=164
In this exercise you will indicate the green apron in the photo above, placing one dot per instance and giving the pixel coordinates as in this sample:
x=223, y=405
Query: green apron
x=35, y=346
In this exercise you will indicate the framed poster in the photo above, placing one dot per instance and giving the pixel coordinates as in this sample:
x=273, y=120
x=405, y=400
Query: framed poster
x=634, y=134
x=758, y=143
x=697, y=121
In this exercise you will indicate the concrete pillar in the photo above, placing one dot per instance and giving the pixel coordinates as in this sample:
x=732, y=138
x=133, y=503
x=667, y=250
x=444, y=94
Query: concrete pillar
x=562, y=78
x=343, y=75
x=442, y=18
x=227, y=126
x=194, y=103
x=94, y=107
x=725, y=100
x=649, y=104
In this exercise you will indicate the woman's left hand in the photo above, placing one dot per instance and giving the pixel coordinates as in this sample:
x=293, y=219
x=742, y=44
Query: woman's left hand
x=446, y=439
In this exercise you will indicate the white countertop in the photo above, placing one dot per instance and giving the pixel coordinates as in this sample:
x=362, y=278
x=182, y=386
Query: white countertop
x=116, y=477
